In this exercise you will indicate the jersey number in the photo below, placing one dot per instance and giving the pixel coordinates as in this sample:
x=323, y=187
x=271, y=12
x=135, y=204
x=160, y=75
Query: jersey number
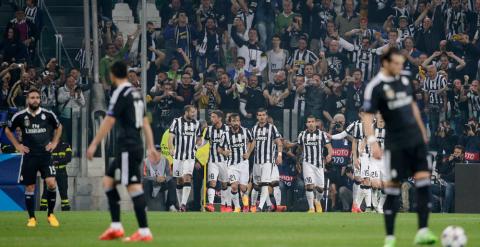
x=52, y=170
x=138, y=113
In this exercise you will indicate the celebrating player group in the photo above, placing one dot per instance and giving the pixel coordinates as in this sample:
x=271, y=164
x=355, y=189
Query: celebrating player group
x=389, y=144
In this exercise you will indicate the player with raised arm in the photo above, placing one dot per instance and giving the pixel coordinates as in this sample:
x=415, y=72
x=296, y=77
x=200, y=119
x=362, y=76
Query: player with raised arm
x=265, y=135
x=184, y=139
x=217, y=163
x=312, y=142
x=237, y=144
x=41, y=133
x=127, y=110
x=390, y=93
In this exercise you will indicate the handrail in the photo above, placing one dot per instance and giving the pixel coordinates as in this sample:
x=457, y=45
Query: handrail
x=45, y=9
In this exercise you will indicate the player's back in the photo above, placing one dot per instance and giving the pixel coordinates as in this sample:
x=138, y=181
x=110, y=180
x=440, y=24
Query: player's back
x=127, y=106
x=392, y=96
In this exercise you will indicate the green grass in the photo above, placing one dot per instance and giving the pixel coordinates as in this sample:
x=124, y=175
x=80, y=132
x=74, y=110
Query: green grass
x=207, y=229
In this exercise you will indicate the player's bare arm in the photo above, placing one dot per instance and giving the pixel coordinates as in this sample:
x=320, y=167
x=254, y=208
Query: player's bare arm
x=329, y=147
x=418, y=118
x=56, y=139
x=370, y=134
x=279, y=143
x=105, y=128
x=251, y=145
x=224, y=152
x=171, y=148
x=355, y=160
x=18, y=146
x=151, y=151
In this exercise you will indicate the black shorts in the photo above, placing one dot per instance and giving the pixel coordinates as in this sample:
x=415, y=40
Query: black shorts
x=402, y=163
x=31, y=164
x=125, y=169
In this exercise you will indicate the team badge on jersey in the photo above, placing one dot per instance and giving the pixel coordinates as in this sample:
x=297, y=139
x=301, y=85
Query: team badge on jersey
x=388, y=91
x=43, y=116
x=26, y=121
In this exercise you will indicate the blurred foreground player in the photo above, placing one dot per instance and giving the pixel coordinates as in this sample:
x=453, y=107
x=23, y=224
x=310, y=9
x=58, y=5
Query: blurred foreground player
x=41, y=133
x=390, y=92
x=126, y=107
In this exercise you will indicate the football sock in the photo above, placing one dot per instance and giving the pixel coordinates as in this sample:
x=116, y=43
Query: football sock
x=228, y=196
x=211, y=195
x=187, y=187
x=52, y=199
x=30, y=203
x=277, y=194
x=254, y=197
x=223, y=196
x=263, y=196
x=139, y=205
x=391, y=206
x=375, y=198
x=113, y=199
x=310, y=197
x=368, y=197
x=179, y=194
x=423, y=201
x=382, y=199
x=236, y=201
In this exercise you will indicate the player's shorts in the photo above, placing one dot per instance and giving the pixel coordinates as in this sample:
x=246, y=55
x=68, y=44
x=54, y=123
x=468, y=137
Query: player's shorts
x=313, y=175
x=218, y=171
x=125, y=168
x=364, y=166
x=239, y=173
x=275, y=173
x=374, y=168
x=402, y=163
x=262, y=173
x=32, y=164
x=183, y=167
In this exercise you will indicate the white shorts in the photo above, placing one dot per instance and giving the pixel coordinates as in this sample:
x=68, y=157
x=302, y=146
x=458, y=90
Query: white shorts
x=275, y=174
x=313, y=175
x=364, y=165
x=239, y=173
x=378, y=166
x=373, y=169
x=217, y=171
x=262, y=173
x=182, y=167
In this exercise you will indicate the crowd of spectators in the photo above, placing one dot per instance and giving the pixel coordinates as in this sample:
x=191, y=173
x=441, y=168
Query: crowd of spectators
x=308, y=57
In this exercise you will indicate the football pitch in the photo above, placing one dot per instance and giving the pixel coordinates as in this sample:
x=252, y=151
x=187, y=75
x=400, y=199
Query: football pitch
x=215, y=229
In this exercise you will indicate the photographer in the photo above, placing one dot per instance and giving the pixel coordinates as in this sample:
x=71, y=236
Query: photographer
x=444, y=140
x=208, y=96
x=446, y=170
x=69, y=99
x=471, y=142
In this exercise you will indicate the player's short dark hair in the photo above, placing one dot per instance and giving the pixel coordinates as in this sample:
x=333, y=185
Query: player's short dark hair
x=218, y=113
x=277, y=36
x=387, y=56
x=232, y=116
x=311, y=116
x=188, y=108
x=33, y=90
x=119, y=69
x=309, y=64
x=262, y=110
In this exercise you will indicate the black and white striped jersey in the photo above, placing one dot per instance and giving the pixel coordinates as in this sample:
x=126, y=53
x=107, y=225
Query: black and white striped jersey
x=474, y=104
x=186, y=134
x=364, y=59
x=355, y=130
x=264, y=137
x=237, y=143
x=312, y=145
x=214, y=137
x=456, y=21
x=432, y=86
x=380, y=135
x=302, y=58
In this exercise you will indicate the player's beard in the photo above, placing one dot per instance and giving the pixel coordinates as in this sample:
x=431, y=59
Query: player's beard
x=33, y=107
x=236, y=127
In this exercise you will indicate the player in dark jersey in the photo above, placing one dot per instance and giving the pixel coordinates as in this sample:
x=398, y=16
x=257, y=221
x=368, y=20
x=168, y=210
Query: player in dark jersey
x=128, y=112
x=390, y=93
x=41, y=132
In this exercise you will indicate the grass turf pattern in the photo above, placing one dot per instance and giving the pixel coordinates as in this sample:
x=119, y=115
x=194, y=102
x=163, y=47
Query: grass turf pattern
x=215, y=229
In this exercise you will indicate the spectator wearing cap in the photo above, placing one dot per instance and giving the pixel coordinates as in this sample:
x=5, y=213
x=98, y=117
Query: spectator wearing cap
x=11, y=48
x=349, y=19
x=26, y=30
x=47, y=91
